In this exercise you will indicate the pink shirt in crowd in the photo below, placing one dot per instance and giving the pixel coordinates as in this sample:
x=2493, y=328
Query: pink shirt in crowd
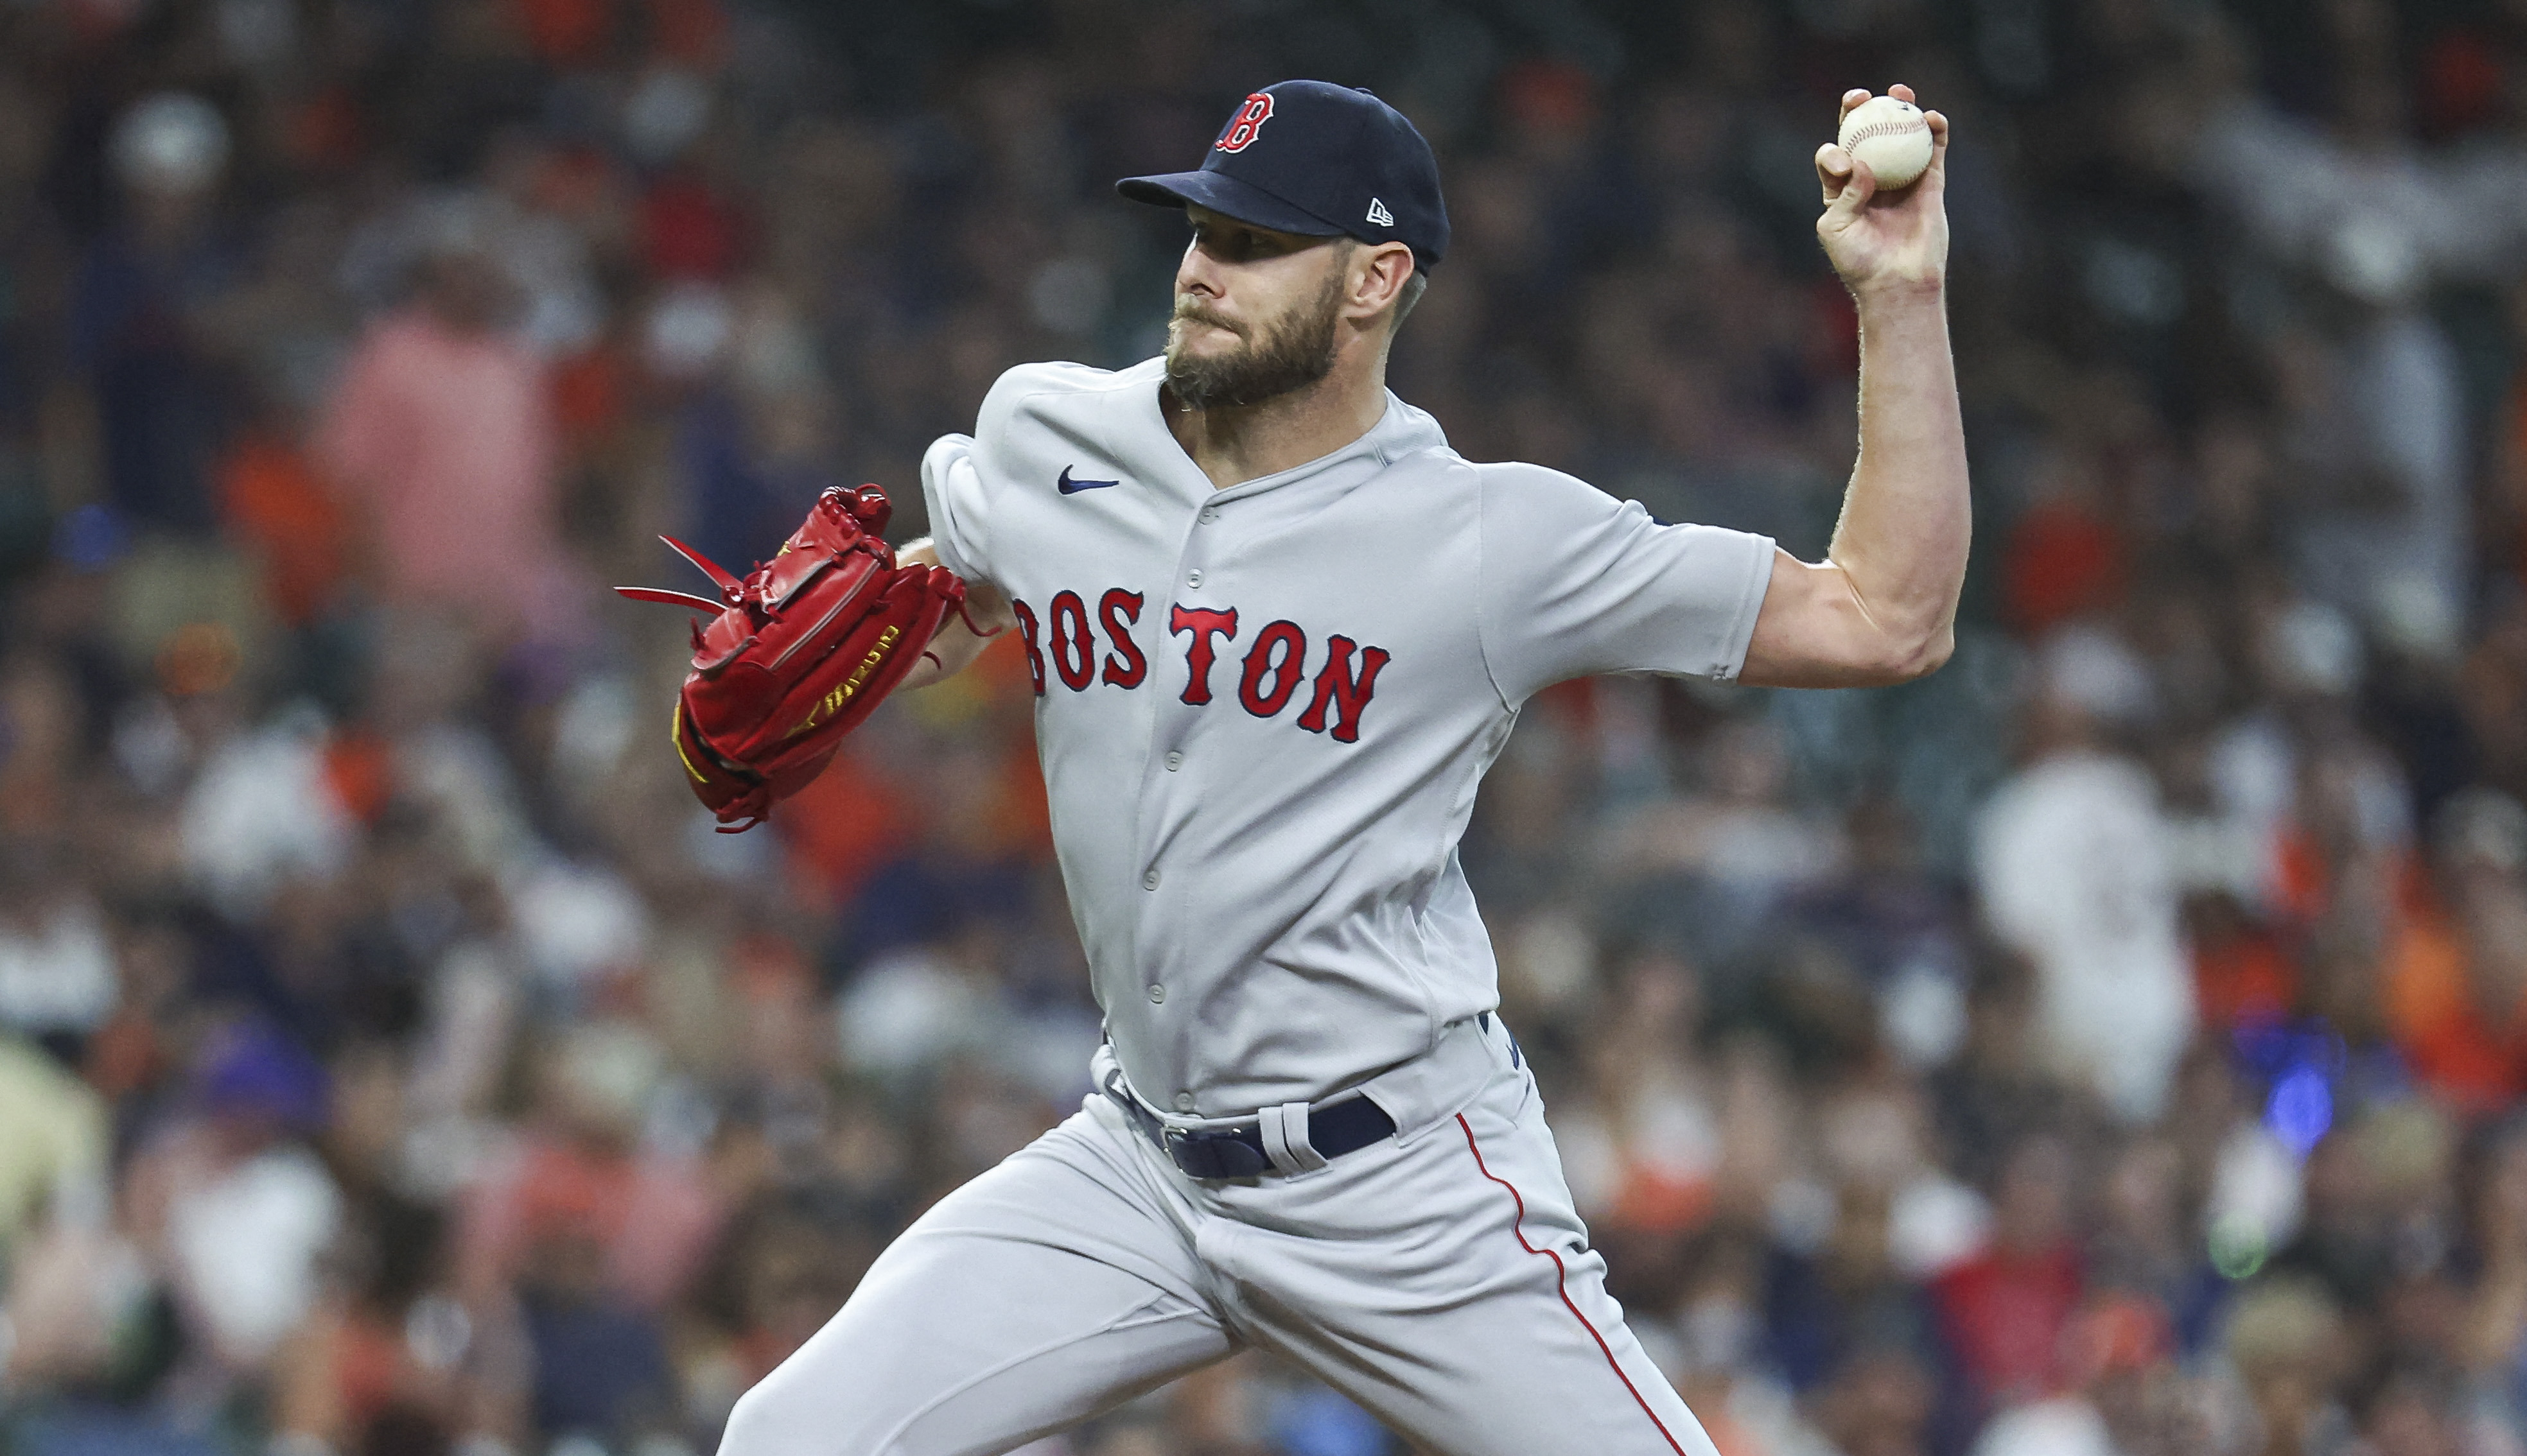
x=449, y=443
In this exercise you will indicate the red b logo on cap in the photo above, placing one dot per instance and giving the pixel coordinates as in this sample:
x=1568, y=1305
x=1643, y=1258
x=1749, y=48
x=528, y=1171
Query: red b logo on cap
x=1250, y=118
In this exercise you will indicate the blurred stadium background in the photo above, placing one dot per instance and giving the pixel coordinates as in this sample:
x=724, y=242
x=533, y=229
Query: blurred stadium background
x=2110, y=1045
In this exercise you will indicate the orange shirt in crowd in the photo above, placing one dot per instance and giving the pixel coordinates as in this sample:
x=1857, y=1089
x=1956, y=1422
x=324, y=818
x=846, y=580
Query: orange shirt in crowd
x=2473, y=1059
x=273, y=498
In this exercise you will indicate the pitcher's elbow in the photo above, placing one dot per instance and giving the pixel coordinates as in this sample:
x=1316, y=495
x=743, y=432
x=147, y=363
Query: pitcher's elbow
x=1911, y=658
x=1931, y=654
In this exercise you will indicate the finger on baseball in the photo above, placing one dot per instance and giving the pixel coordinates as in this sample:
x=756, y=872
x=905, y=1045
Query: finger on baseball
x=1856, y=192
x=1853, y=97
x=1900, y=91
x=1833, y=171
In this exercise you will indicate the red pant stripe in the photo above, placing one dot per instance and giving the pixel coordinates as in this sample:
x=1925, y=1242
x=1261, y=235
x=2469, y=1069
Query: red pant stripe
x=1562, y=1285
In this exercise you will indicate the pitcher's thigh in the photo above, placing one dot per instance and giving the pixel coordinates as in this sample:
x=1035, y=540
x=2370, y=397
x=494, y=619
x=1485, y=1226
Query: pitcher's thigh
x=1516, y=1349
x=993, y=1321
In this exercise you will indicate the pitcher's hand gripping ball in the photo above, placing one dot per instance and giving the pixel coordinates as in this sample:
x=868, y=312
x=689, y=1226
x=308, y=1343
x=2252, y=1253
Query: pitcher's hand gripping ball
x=797, y=653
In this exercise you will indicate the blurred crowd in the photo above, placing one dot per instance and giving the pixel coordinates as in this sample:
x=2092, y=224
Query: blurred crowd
x=2111, y=1046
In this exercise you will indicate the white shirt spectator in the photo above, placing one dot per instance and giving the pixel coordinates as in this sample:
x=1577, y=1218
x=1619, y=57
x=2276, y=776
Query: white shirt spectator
x=262, y=812
x=2066, y=1426
x=245, y=1245
x=57, y=970
x=2071, y=862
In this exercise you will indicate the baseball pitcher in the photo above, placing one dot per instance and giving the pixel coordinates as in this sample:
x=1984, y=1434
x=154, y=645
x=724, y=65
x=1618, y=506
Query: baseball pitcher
x=1278, y=630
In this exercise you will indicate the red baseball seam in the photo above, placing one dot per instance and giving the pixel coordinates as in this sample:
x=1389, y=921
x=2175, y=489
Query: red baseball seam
x=1562, y=1285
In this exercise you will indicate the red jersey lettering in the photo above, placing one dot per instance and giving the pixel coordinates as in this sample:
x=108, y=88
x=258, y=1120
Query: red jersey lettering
x=1339, y=689
x=1028, y=634
x=1074, y=652
x=1118, y=609
x=1279, y=655
x=1201, y=621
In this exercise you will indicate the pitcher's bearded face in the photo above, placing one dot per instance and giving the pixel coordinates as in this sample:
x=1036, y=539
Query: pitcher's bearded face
x=1270, y=357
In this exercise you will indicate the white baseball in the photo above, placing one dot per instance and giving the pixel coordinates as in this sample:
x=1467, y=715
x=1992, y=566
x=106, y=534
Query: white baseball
x=1891, y=136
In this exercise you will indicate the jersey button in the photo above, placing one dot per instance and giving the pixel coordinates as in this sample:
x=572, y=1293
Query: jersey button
x=1158, y=995
x=1150, y=881
x=1209, y=514
x=1184, y=1101
x=1175, y=761
x=1193, y=578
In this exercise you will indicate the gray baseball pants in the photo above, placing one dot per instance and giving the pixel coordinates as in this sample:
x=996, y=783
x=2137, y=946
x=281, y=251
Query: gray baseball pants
x=1439, y=1279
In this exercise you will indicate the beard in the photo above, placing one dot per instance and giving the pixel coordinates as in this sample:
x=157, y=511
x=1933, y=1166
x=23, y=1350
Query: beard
x=1291, y=352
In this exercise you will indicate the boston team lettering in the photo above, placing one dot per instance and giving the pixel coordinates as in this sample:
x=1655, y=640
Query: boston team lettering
x=1062, y=643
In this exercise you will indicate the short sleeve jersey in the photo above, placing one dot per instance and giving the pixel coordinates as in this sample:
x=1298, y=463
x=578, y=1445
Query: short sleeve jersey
x=1263, y=711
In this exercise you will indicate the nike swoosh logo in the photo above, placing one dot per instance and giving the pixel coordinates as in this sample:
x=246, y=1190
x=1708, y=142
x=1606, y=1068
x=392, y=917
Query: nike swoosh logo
x=1069, y=486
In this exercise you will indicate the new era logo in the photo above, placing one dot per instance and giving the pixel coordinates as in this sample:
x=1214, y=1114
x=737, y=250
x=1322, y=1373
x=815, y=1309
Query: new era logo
x=1379, y=213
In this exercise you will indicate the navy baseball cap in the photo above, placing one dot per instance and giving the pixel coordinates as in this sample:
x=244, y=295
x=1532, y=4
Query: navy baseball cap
x=1320, y=160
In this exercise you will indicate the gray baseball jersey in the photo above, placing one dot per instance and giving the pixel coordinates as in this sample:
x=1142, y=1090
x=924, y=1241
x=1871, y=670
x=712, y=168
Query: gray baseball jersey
x=1263, y=711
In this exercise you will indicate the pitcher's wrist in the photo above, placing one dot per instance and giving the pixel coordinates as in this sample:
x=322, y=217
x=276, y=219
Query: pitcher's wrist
x=1894, y=295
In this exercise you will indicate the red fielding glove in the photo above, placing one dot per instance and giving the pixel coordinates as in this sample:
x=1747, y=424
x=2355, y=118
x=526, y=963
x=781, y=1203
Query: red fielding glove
x=799, y=653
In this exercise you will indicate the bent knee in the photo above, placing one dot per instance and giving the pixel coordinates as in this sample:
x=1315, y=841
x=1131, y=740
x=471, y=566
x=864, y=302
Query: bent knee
x=753, y=1424
x=785, y=1415
x=778, y=1418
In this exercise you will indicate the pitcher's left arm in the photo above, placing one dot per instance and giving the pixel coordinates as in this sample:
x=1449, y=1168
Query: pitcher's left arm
x=962, y=636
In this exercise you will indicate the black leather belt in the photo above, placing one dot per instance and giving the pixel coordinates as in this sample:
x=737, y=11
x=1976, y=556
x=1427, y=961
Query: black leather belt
x=1344, y=1126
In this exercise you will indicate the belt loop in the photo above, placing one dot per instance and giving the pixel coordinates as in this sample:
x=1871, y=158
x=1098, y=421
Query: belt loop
x=1421, y=1093
x=1284, y=1132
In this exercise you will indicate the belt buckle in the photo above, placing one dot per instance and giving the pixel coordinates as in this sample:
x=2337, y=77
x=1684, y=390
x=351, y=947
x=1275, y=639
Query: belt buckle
x=1213, y=1155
